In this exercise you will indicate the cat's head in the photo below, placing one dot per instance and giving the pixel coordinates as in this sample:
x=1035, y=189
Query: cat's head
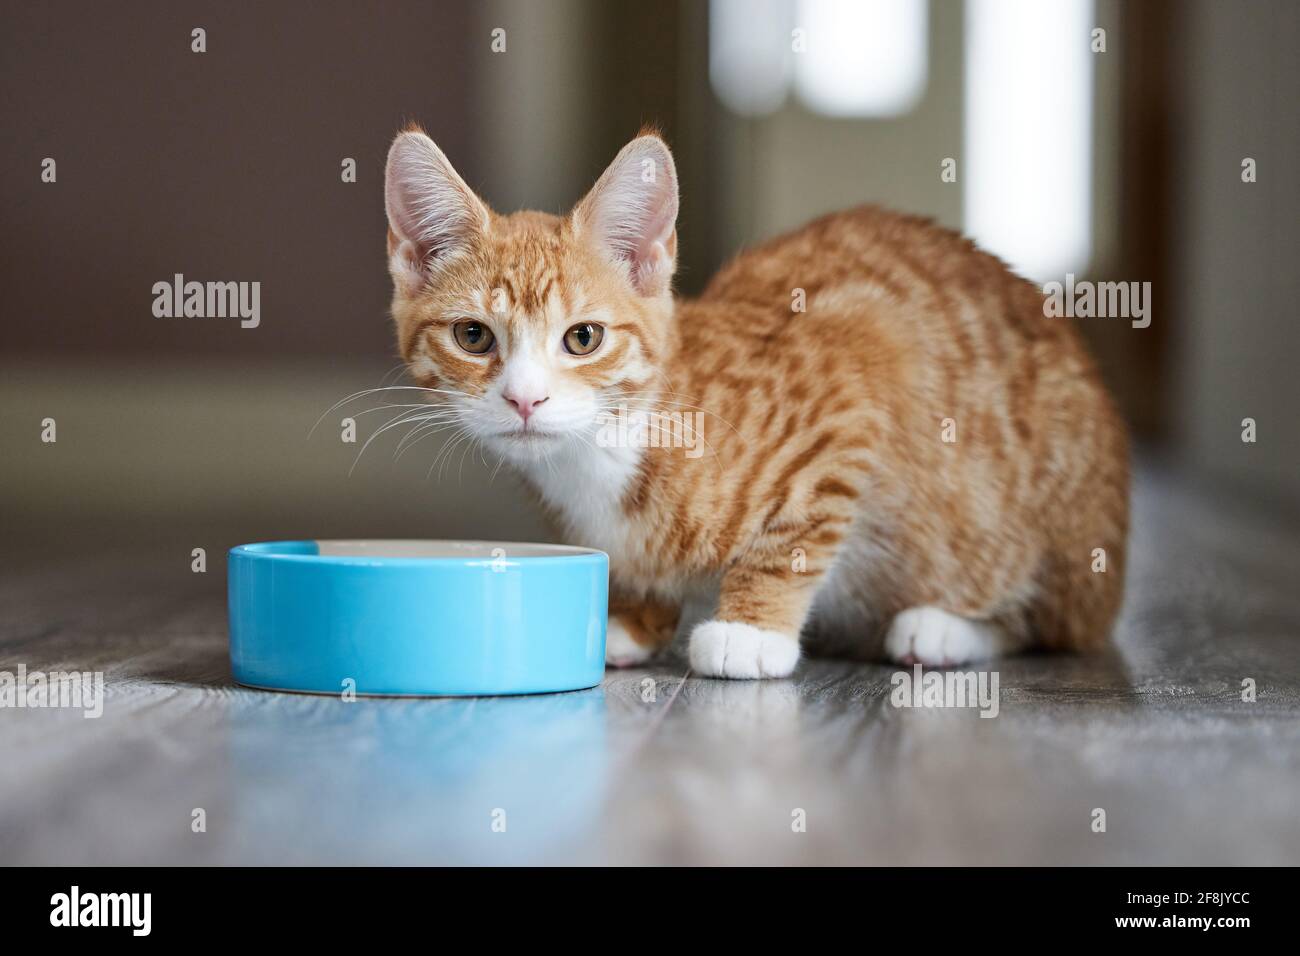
x=531, y=325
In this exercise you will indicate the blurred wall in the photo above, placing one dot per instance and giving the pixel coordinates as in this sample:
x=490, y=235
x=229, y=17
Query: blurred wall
x=793, y=165
x=1235, y=246
x=223, y=165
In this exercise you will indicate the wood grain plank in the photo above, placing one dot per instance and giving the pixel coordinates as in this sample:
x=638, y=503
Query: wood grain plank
x=655, y=766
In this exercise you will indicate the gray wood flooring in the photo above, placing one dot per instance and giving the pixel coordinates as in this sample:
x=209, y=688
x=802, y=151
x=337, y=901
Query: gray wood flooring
x=656, y=766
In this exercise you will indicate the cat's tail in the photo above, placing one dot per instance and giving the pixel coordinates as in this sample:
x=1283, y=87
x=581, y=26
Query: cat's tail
x=1081, y=583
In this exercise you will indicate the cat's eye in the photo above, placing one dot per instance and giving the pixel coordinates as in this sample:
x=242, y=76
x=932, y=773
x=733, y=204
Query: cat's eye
x=473, y=337
x=584, y=338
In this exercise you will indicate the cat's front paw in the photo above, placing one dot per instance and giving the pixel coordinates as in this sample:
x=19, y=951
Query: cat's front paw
x=732, y=649
x=621, y=649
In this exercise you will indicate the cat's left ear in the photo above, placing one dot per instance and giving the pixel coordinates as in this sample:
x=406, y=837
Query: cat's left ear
x=631, y=214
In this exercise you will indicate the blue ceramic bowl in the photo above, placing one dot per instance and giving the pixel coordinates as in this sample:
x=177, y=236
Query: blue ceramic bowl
x=417, y=617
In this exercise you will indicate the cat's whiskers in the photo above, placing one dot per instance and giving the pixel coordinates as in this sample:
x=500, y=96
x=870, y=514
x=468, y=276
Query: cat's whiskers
x=693, y=433
x=659, y=400
x=444, y=453
x=402, y=418
x=458, y=438
x=428, y=426
x=398, y=369
x=380, y=408
x=501, y=460
x=387, y=388
x=460, y=470
x=550, y=466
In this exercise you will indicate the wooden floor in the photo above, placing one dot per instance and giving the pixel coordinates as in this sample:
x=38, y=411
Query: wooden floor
x=658, y=767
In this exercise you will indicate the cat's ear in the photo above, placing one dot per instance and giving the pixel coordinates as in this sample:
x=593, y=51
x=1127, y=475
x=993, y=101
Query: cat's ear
x=631, y=214
x=432, y=215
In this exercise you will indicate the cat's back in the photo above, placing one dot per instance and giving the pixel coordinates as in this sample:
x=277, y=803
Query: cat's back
x=879, y=283
x=876, y=253
x=898, y=252
x=882, y=313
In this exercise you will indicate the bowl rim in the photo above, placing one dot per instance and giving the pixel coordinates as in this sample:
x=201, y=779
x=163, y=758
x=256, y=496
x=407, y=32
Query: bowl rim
x=261, y=551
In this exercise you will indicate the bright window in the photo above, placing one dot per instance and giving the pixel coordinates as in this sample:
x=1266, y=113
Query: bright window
x=1028, y=137
x=846, y=58
x=864, y=57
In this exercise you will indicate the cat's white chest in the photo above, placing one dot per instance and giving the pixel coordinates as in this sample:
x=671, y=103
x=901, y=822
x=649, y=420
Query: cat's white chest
x=585, y=487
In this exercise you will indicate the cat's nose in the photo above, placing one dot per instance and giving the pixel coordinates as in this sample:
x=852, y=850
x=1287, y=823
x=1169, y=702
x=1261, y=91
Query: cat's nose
x=525, y=405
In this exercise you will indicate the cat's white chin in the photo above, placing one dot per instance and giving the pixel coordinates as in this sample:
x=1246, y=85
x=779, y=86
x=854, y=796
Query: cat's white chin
x=526, y=442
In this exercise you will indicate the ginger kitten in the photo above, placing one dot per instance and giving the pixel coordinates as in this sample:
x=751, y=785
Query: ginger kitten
x=920, y=455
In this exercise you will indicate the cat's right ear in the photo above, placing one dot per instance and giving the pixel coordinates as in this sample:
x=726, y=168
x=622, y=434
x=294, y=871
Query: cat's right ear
x=433, y=216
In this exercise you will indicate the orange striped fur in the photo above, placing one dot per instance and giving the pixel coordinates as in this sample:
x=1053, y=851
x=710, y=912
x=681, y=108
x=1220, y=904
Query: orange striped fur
x=918, y=464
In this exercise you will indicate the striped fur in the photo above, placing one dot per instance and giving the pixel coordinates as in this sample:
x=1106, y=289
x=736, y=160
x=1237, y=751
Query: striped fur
x=827, y=501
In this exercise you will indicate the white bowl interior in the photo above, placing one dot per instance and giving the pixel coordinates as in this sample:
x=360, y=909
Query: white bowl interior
x=486, y=550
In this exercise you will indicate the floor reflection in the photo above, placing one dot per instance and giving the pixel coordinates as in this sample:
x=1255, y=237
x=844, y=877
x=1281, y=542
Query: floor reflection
x=482, y=780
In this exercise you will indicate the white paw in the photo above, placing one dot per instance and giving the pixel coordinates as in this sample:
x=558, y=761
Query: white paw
x=928, y=635
x=731, y=649
x=620, y=649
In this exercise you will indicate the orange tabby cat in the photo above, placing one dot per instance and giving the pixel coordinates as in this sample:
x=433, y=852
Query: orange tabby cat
x=880, y=435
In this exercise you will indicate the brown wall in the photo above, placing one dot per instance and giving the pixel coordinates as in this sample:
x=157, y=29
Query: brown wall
x=223, y=165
